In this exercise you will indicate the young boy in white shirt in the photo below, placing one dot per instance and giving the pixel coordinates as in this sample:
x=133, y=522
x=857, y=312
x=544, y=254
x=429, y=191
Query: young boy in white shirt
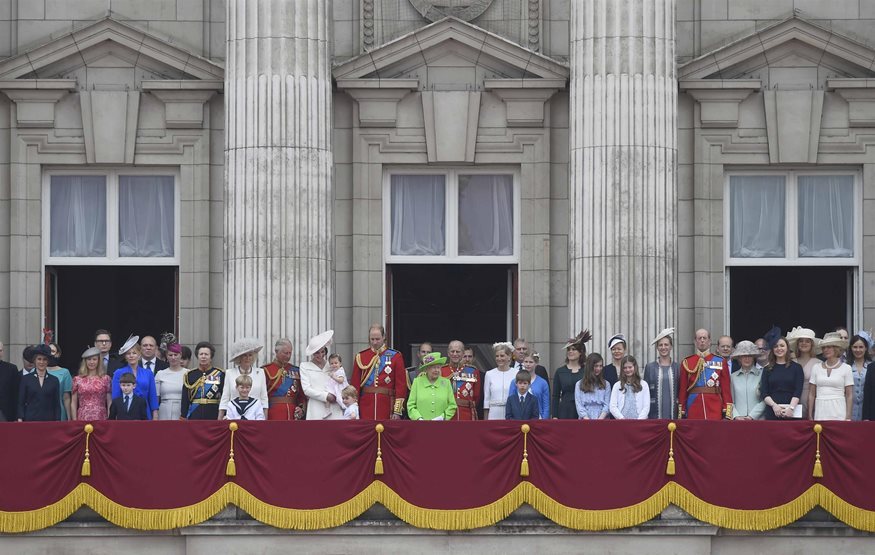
x=244, y=407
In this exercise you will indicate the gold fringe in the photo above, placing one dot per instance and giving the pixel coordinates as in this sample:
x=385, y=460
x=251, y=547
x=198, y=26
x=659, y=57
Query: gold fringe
x=86, y=464
x=18, y=522
x=818, y=468
x=524, y=466
x=438, y=519
x=669, y=468
x=231, y=467
x=156, y=519
x=378, y=464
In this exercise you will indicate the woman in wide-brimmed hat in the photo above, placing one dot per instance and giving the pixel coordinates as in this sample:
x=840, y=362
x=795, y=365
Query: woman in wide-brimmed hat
x=92, y=389
x=747, y=404
x=805, y=346
x=662, y=377
x=830, y=396
x=316, y=380
x=243, y=355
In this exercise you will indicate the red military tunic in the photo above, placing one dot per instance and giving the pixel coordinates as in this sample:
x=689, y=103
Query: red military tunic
x=466, y=386
x=284, y=392
x=704, y=392
x=381, y=380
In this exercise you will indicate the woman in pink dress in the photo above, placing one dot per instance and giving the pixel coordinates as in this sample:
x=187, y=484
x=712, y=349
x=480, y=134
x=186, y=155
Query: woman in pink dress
x=92, y=389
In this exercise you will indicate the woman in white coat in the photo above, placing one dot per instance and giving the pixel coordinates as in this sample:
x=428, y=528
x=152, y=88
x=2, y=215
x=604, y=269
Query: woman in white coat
x=244, y=354
x=316, y=380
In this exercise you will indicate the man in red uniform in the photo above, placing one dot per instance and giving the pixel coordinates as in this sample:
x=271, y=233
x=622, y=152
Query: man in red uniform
x=379, y=375
x=286, y=399
x=465, y=380
x=704, y=392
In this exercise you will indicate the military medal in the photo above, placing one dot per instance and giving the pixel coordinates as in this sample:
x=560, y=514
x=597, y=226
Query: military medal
x=387, y=379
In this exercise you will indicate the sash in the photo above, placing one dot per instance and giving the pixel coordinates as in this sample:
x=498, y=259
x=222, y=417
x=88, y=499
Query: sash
x=378, y=363
x=199, y=390
x=284, y=382
x=463, y=381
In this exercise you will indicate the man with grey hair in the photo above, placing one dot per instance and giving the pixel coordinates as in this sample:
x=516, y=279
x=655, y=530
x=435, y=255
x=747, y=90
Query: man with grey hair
x=520, y=350
x=286, y=399
x=9, y=380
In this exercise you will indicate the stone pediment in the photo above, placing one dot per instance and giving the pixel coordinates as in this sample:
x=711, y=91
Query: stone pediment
x=109, y=43
x=451, y=53
x=793, y=44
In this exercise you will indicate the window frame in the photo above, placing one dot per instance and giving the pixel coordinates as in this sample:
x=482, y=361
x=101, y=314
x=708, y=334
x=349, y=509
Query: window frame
x=112, y=257
x=451, y=211
x=791, y=221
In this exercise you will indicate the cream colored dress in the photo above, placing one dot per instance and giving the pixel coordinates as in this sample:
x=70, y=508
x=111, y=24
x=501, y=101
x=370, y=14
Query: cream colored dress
x=830, y=402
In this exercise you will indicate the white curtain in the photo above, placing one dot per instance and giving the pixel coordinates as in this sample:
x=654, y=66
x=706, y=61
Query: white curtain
x=485, y=215
x=418, y=211
x=826, y=216
x=147, y=217
x=78, y=215
x=757, y=216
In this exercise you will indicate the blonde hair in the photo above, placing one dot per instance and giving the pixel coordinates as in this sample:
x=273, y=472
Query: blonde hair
x=243, y=380
x=505, y=346
x=349, y=391
x=83, y=368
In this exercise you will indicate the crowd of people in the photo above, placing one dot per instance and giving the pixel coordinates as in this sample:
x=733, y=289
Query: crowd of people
x=776, y=377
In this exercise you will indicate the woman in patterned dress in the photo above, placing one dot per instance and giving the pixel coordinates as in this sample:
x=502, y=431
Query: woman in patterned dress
x=92, y=389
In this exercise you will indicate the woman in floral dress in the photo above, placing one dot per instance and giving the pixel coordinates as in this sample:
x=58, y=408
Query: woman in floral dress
x=91, y=388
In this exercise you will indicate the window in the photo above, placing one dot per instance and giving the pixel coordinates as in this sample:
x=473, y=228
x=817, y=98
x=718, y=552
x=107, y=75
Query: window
x=122, y=216
x=451, y=216
x=798, y=217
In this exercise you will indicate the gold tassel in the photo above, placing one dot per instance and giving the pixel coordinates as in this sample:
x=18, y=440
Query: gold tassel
x=231, y=467
x=378, y=465
x=524, y=466
x=86, y=464
x=818, y=468
x=669, y=469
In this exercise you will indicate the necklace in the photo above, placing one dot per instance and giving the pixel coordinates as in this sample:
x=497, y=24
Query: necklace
x=834, y=366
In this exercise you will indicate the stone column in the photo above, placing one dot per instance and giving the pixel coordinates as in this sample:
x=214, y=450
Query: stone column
x=622, y=192
x=279, y=192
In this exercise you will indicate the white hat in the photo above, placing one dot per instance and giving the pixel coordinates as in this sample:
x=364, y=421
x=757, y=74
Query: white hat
x=245, y=345
x=802, y=333
x=617, y=338
x=667, y=332
x=129, y=344
x=834, y=339
x=317, y=342
x=91, y=352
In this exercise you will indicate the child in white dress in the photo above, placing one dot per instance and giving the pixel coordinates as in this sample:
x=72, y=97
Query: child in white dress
x=338, y=379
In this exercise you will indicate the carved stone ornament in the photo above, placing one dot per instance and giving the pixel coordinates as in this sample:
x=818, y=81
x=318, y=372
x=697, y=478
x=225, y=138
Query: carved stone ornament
x=466, y=10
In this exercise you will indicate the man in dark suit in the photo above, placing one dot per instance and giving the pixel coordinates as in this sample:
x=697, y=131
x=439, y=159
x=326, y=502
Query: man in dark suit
x=149, y=355
x=9, y=380
x=522, y=405
x=128, y=406
x=103, y=341
x=520, y=350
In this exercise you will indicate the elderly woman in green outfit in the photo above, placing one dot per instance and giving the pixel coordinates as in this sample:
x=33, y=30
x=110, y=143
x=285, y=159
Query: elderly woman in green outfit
x=431, y=396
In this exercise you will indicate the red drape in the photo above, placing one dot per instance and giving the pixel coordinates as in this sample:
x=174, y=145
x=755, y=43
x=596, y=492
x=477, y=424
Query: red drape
x=435, y=466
